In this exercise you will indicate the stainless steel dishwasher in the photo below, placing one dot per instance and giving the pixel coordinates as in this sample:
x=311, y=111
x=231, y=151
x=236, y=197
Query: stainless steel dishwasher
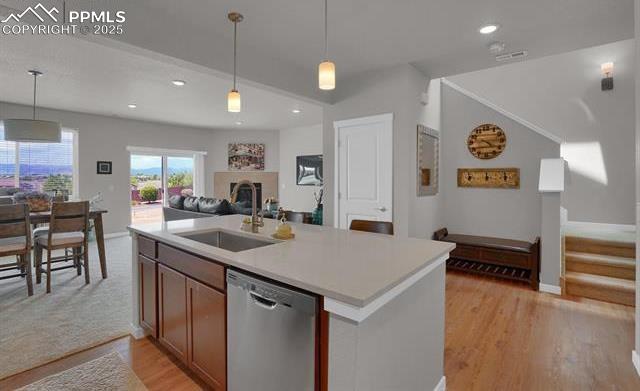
x=271, y=333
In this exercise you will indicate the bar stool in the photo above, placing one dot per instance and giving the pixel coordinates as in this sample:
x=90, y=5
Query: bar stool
x=380, y=227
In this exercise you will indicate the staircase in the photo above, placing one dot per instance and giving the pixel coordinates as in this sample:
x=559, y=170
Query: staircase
x=600, y=267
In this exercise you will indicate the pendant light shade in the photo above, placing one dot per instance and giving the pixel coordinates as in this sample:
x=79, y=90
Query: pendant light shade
x=326, y=69
x=327, y=75
x=32, y=130
x=234, y=104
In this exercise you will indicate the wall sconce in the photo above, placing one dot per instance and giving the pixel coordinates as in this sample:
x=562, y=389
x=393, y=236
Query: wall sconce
x=607, y=76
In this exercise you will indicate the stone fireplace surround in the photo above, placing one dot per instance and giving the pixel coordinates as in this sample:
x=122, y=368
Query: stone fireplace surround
x=222, y=181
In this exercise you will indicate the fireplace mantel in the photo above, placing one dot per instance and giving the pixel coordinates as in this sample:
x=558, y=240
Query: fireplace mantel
x=222, y=180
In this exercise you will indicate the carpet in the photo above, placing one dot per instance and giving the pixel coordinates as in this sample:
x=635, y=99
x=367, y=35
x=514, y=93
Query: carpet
x=108, y=372
x=73, y=317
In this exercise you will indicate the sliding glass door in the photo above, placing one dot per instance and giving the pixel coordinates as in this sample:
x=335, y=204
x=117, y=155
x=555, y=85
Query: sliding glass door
x=155, y=178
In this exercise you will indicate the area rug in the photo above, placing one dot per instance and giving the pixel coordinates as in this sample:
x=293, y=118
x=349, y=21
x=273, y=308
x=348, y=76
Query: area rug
x=105, y=373
x=73, y=317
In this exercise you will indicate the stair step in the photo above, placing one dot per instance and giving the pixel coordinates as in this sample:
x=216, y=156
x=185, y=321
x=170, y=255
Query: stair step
x=600, y=246
x=603, y=265
x=613, y=290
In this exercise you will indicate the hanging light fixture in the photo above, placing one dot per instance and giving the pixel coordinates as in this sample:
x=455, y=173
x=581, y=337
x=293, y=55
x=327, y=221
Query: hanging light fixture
x=233, y=98
x=326, y=69
x=32, y=130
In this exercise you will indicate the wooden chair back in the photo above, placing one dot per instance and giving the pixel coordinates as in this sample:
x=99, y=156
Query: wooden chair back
x=380, y=227
x=69, y=217
x=14, y=222
x=298, y=217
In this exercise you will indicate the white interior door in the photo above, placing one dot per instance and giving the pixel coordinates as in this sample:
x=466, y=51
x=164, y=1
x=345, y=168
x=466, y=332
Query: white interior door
x=364, y=169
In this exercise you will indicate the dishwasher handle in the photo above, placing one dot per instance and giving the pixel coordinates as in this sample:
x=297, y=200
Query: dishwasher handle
x=262, y=301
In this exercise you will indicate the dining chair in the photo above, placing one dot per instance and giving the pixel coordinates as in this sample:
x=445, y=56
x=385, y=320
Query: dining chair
x=15, y=240
x=380, y=227
x=68, y=229
x=297, y=217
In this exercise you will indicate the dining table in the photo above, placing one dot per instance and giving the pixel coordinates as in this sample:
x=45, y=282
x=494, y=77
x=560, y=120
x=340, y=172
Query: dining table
x=96, y=216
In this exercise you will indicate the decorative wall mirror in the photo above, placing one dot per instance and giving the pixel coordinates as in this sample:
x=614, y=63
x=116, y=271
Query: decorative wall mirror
x=428, y=155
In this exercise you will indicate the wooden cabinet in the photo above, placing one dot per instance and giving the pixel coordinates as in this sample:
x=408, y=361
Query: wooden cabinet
x=191, y=314
x=172, y=311
x=206, y=320
x=147, y=273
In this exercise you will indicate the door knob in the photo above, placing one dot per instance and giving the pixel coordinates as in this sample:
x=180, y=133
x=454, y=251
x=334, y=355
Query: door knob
x=382, y=209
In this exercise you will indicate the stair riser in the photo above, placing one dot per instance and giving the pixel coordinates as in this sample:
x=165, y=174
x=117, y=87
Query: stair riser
x=598, y=247
x=600, y=293
x=600, y=270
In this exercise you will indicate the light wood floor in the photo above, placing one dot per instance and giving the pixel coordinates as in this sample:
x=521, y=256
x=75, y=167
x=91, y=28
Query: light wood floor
x=500, y=336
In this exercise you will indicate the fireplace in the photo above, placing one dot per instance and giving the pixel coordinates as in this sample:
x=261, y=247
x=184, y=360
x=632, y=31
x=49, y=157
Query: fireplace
x=244, y=193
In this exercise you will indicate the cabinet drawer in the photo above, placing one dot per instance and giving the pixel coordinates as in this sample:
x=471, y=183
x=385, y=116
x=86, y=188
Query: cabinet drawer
x=193, y=266
x=508, y=258
x=466, y=252
x=147, y=247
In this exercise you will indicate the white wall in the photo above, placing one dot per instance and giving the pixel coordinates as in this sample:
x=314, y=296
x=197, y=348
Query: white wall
x=392, y=90
x=562, y=94
x=637, y=177
x=297, y=142
x=218, y=144
x=106, y=138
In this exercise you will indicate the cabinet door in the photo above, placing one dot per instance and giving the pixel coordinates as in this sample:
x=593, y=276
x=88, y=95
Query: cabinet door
x=172, y=300
x=206, y=311
x=147, y=271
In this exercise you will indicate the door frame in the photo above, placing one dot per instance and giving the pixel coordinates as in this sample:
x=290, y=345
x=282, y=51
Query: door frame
x=386, y=117
x=199, y=184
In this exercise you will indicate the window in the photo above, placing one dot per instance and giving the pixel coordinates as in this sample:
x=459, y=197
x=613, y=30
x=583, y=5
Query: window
x=42, y=167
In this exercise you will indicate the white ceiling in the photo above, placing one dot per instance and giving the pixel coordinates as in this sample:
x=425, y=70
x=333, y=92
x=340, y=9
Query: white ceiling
x=90, y=77
x=281, y=41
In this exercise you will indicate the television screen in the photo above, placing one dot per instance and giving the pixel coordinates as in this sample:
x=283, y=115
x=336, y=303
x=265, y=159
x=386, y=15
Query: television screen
x=309, y=170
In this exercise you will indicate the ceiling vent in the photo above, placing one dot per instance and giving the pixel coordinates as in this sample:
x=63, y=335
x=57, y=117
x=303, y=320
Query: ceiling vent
x=512, y=56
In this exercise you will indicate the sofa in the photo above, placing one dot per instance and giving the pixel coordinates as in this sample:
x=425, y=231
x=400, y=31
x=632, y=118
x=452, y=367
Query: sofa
x=187, y=207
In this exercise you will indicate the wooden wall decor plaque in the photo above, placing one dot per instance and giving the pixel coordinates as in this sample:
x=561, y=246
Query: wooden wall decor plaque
x=492, y=178
x=487, y=141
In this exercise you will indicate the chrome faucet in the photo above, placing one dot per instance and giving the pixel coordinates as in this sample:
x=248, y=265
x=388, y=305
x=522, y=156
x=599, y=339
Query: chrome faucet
x=255, y=222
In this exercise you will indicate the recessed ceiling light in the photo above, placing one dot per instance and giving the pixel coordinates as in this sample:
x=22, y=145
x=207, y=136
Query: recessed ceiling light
x=238, y=122
x=489, y=28
x=132, y=105
x=296, y=111
x=178, y=83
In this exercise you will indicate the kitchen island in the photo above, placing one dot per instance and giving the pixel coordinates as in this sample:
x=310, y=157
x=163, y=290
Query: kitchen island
x=380, y=323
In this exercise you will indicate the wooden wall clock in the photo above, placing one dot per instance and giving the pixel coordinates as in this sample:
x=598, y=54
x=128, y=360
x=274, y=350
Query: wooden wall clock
x=487, y=141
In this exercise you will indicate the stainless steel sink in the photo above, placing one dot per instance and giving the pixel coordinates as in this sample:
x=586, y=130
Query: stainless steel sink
x=227, y=240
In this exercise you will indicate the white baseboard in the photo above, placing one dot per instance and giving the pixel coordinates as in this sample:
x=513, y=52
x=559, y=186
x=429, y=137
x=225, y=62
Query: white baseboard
x=635, y=358
x=600, y=226
x=137, y=332
x=555, y=289
x=442, y=384
x=116, y=235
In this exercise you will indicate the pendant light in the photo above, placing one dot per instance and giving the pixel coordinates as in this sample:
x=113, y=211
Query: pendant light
x=326, y=69
x=233, y=98
x=32, y=130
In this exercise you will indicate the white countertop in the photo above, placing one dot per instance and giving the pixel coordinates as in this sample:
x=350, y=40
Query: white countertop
x=348, y=266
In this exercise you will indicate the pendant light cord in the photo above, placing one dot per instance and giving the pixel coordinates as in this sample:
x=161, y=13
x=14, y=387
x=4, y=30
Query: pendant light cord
x=326, y=40
x=235, y=38
x=35, y=86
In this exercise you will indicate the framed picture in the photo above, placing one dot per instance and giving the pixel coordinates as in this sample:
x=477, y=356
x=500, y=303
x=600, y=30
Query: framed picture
x=309, y=170
x=246, y=157
x=104, y=168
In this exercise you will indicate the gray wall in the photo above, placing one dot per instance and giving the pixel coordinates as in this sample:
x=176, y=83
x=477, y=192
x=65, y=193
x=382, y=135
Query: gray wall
x=562, y=94
x=297, y=142
x=106, y=138
x=393, y=90
x=506, y=213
